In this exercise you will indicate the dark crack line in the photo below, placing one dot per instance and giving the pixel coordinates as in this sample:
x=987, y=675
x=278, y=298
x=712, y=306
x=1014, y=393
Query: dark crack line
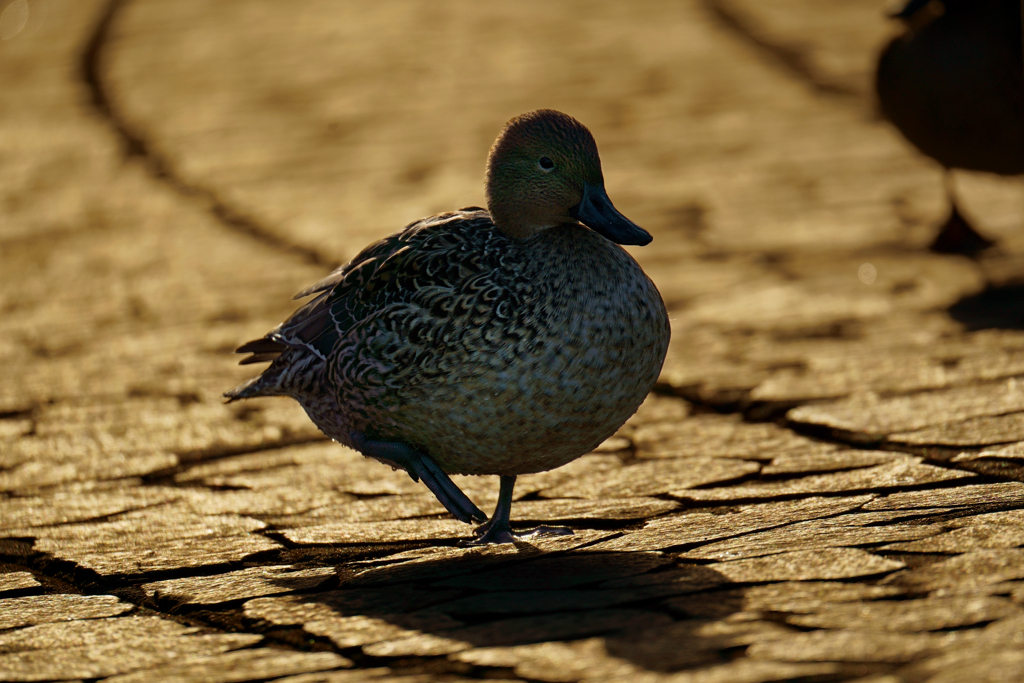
x=738, y=402
x=791, y=58
x=135, y=145
x=25, y=414
x=189, y=459
x=64, y=576
x=693, y=545
x=166, y=476
x=703, y=505
x=938, y=455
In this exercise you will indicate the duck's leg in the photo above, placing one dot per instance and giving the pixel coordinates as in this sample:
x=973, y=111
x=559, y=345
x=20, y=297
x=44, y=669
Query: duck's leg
x=421, y=466
x=957, y=235
x=498, y=529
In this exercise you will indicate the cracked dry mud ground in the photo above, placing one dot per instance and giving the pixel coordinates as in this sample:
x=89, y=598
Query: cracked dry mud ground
x=826, y=484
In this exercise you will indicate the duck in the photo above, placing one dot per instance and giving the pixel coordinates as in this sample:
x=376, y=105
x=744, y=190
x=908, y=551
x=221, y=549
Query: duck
x=953, y=85
x=501, y=341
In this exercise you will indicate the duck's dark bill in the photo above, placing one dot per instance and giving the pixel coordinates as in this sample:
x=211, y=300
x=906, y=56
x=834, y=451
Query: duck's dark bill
x=596, y=212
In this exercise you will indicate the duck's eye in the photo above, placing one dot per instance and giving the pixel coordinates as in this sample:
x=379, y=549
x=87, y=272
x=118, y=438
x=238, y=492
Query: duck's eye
x=546, y=164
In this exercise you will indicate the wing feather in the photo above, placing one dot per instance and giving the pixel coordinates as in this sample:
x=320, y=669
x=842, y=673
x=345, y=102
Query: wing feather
x=349, y=290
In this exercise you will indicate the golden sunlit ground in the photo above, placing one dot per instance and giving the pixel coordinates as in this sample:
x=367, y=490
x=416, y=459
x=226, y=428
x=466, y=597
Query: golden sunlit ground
x=825, y=486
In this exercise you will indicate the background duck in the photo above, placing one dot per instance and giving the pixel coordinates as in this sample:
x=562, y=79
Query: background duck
x=505, y=341
x=953, y=84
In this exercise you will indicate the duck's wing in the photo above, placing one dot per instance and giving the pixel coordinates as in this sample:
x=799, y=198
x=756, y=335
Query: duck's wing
x=313, y=320
x=382, y=249
x=348, y=291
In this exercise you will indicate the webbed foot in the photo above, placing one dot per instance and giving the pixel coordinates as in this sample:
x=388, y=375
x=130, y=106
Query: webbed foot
x=487, y=534
x=421, y=466
x=498, y=529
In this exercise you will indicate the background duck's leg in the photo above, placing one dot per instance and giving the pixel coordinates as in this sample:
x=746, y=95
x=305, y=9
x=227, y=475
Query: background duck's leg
x=498, y=529
x=421, y=466
x=957, y=235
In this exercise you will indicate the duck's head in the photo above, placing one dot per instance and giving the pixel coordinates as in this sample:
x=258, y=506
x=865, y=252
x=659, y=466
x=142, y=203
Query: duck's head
x=543, y=171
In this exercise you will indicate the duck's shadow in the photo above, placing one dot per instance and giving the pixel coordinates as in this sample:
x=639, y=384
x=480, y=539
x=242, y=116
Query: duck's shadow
x=650, y=611
x=997, y=307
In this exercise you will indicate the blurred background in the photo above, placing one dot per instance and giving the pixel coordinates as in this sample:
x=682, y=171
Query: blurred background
x=171, y=172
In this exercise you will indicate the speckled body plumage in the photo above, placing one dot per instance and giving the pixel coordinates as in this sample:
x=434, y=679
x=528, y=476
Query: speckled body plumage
x=490, y=354
x=502, y=341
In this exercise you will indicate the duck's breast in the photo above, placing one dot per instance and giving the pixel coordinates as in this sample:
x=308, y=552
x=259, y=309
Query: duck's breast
x=565, y=339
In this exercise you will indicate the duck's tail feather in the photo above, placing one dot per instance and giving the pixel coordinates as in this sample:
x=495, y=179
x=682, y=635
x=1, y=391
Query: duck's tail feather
x=266, y=383
x=261, y=347
x=247, y=389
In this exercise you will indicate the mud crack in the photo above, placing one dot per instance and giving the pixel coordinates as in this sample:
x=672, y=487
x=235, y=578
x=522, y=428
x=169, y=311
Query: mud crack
x=136, y=146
